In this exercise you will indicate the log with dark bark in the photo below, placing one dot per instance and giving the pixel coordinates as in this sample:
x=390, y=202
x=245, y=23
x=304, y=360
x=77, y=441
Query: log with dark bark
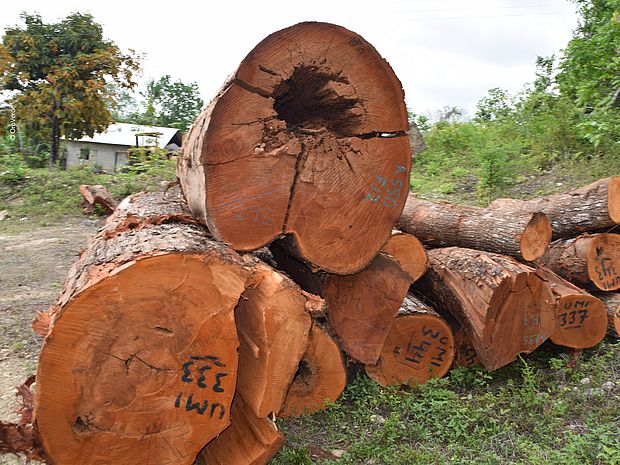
x=418, y=347
x=97, y=195
x=581, y=320
x=362, y=306
x=321, y=376
x=307, y=138
x=591, y=261
x=248, y=441
x=273, y=325
x=139, y=363
x=594, y=207
x=612, y=308
x=504, y=306
x=521, y=235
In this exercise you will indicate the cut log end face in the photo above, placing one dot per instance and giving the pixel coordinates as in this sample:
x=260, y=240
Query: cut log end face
x=418, y=347
x=310, y=143
x=138, y=370
x=581, y=321
x=465, y=354
x=604, y=261
x=321, y=376
x=409, y=252
x=536, y=237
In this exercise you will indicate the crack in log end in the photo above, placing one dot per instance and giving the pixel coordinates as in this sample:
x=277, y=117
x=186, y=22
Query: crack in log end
x=163, y=330
x=303, y=373
x=307, y=101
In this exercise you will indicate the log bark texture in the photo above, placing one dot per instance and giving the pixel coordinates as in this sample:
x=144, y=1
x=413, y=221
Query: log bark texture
x=593, y=207
x=581, y=320
x=97, y=195
x=248, y=441
x=321, y=376
x=612, y=308
x=308, y=138
x=418, y=347
x=139, y=361
x=591, y=261
x=521, y=235
x=504, y=306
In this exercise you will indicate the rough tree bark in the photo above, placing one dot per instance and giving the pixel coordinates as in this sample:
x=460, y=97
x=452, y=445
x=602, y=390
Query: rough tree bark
x=594, y=207
x=97, y=195
x=581, y=320
x=321, y=376
x=307, y=138
x=591, y=261
x=139, y=361
x=504, y=306
x=418, y=347
x=521, y=235
x=248, y=441
x=612, y=308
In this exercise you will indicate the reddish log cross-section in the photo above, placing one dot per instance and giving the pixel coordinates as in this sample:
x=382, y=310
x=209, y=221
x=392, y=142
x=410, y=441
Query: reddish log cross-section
x=139, y=362
x=307, y=138
x=612, y=307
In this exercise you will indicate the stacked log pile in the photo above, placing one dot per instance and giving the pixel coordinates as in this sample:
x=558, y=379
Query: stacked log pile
x=179, y=337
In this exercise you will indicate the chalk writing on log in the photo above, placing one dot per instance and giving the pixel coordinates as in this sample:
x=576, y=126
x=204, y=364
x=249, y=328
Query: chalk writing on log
x=387, y=191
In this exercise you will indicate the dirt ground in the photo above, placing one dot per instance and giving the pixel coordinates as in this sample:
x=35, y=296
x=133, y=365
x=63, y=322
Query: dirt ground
x=33, y=266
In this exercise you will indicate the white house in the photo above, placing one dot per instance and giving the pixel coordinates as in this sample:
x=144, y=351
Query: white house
x=108, y=150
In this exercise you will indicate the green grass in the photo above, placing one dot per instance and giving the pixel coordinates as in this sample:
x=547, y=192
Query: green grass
x=534, y=411
x=39, y=197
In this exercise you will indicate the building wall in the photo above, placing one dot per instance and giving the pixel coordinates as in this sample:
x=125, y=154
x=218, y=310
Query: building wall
x=108, y=157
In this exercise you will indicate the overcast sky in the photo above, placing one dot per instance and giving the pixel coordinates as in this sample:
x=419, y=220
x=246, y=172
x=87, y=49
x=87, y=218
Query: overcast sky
x=445, y=52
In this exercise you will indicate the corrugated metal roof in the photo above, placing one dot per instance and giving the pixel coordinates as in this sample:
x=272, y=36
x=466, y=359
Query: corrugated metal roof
x=125, y=134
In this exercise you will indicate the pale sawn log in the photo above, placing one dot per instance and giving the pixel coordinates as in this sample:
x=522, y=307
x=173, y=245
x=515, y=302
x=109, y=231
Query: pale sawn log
x=594, y=207
x=521, y=235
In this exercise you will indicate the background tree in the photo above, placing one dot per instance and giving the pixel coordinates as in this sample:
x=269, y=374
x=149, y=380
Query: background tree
x=60, y=73
x=172, y=103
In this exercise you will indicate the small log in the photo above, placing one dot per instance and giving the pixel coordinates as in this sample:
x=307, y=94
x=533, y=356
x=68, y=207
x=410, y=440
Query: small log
x=504, y=306
x=139, y=363
x=612, y=308
x=308, y=138
x=321, y=376
x=521, y=235
x=273, y=326
x=362, y=306
x=591, y=261
x=418, y=347
x=248, y=441
x=594, y=207
x=581, y=320
x=97, y=195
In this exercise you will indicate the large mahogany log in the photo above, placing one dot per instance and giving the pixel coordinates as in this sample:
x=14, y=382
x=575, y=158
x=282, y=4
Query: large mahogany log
x=612, y=308
x=321, y=376
x=523, y=235
x=248, y=441
x=504, y=306
x=592, y=261
x=581, y=320
x=139, y=362
x=591, y=208
x=273, y=326
x=307, y=138
x=362, y=306
x=418, y=347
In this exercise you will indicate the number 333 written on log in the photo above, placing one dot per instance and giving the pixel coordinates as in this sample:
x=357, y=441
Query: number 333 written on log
x=388, y=191
x=195, y=372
